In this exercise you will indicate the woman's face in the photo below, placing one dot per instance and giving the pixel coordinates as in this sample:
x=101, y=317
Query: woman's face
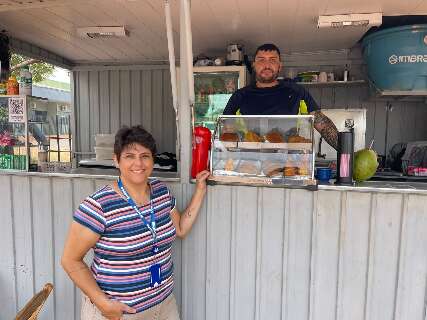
x=136, y=164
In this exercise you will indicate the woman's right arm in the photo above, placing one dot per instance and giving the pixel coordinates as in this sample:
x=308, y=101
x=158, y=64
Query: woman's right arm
x=79, y=241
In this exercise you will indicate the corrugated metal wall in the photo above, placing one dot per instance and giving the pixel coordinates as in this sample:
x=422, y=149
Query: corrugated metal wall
x=406, y=119
x=254, y=253
x=107, y=98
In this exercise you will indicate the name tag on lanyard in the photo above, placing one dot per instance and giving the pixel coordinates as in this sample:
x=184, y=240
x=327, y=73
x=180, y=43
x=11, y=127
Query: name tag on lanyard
x=155, y=269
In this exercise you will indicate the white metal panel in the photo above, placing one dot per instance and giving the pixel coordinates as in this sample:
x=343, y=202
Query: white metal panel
x=135, y=96
x=62, y=195
x=125, y=96
x=325, y=255
x=383, y=256
x=147, y=99
x=270, y=247
x=104, y=100
x=218, y=254
x=8, y=296
x=297, y=255
x=412, y=278
x=94, y=105
x=194, y=263
x=254, y=253
x=109, y=99
x=24, y=237
x=44, y=264
x=243, y=219
x=114, y=94
x=353, y=260
x=84, y=114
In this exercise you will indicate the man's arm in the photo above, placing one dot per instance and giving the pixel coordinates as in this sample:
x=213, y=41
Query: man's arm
x=326, y=128
x=232, y=105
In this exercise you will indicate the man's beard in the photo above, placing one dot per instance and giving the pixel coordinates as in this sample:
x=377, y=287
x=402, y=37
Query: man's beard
x=268, y=79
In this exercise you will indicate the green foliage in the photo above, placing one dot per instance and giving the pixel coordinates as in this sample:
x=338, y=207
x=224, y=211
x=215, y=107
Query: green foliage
x=40, y=70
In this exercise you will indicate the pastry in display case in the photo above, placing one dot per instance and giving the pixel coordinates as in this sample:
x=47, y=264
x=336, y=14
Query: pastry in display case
x=263, y=150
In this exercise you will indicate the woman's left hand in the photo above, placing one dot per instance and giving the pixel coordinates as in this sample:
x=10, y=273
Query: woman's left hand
x=201, y=179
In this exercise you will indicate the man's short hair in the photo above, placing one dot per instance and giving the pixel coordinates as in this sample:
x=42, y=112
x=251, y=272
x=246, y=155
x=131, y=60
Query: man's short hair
x=267, y=47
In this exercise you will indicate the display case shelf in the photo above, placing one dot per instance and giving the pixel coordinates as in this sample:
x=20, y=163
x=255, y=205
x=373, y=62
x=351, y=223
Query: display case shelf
x=263, y=145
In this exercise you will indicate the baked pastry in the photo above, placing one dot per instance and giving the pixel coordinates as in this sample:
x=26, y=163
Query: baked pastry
x=251, y=136
x=303, y=171
x=290, y=171
x=249, y=167
x=229, y=165
x=271, y=168
x=274, y=137
x=229, y=136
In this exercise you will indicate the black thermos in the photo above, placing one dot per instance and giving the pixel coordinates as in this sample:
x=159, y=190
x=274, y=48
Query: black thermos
x=345, y=157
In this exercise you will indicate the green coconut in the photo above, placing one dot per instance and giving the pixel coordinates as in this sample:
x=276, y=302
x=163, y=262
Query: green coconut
x=365, y=164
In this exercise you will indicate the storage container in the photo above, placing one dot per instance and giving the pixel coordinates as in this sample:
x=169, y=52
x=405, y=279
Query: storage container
x=397, y=58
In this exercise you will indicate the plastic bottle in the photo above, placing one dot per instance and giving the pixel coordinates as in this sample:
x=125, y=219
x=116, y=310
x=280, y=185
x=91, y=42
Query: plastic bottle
x=345, y=77
x=26, y=81
x=12, y=86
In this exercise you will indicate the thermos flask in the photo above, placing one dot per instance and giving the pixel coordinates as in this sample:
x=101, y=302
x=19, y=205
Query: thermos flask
x=345, y=157
x=200, y=152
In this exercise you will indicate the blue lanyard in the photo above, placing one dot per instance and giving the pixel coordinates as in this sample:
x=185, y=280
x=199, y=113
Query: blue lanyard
x=152, y=225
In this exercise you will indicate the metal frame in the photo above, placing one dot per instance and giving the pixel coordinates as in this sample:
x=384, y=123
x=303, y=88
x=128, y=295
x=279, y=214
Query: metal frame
x=268, y=117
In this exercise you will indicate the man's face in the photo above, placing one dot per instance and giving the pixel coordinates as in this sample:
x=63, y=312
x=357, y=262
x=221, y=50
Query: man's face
x=267, y=66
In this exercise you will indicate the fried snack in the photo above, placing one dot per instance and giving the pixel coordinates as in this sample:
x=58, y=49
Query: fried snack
x=303, y=171
x=229, y=136
x=248, y=167
x=298, y=139
x=272, y=168
x=290, y=171
x=274, y=137
x=229, y=165
x=251, y=136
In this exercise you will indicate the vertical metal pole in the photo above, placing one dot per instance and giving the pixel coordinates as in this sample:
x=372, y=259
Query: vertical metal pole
x=57, y=138
x=389, y=107
x=184, y=105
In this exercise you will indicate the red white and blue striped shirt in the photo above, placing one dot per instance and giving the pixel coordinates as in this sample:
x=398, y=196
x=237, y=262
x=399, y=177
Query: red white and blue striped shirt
x=123, y=253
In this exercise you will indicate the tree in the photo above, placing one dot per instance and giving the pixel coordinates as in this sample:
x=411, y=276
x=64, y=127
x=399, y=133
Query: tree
x=40, y=70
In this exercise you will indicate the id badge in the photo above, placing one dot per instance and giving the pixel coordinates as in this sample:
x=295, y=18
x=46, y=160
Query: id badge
x=156, y=275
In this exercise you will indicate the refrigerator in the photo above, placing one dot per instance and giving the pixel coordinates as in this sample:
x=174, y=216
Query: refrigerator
x=213, y=86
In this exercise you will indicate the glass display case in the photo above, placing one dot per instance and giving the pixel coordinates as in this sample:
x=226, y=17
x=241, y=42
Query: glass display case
x=33, y=135
x=263, y=150
x=213, y=87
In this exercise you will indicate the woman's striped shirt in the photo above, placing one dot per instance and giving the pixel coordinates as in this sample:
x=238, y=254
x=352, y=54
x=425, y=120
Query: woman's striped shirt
x=123, y=255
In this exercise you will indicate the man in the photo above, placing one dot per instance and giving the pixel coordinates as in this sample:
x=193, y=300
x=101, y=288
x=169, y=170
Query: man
x=268, y=96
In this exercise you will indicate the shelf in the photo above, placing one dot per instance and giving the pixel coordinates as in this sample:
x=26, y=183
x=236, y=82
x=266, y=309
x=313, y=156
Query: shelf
x=333, y=83
x=400, y=93
x=263, y=145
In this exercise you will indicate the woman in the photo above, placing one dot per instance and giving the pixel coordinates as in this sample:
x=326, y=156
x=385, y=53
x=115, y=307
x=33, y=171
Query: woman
x=131, y=225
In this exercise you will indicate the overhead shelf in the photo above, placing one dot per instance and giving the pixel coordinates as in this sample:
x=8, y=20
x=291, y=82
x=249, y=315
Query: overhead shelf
x=390, y=93
x=333, y=83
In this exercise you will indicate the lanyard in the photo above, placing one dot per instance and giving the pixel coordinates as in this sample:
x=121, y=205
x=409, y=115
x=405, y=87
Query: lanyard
x=152, y=225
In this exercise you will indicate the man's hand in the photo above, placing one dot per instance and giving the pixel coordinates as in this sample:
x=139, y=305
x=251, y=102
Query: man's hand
x=326, y=128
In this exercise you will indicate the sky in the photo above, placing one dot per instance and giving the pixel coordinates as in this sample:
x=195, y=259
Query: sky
x=61, y=75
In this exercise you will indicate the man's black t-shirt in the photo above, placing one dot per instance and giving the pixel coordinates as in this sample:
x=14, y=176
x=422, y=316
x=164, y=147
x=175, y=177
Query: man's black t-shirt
x=282, y=99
